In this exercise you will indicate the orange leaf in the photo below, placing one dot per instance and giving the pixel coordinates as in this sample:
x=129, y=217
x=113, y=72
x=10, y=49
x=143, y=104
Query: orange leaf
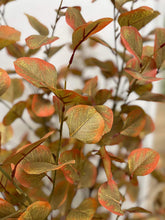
x=74, y=18
x=37, y=41
x=142, y=161
x=107, y=163
x=5, y=81
x=8, y=35
x=42, y=107
x=36, y=71
x=132, y=40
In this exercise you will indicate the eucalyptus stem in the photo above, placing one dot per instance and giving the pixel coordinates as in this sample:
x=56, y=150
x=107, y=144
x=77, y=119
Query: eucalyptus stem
x=2, y=13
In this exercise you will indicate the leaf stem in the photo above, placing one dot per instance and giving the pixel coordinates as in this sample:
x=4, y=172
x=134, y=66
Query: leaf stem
x=2, y=13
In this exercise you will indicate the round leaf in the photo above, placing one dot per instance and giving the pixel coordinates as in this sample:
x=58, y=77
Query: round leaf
x=85, y=123
x=4, y=81
x=142, y=161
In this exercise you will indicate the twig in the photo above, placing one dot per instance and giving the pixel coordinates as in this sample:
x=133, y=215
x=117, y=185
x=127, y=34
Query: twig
x=2, y=13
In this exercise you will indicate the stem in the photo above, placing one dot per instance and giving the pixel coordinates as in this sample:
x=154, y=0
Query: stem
x=2, y=13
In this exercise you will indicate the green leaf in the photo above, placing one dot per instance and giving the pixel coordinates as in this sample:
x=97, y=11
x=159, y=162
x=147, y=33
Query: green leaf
x=85, y=211
x=137, y=209
x=53, y=50
x=142, y=161
x=137, y=18
x=74, y=18
x=109, y=197
x=5, y=208
x=43, y=167
x=37, y=210
x=38, y=26
x=85, y=123
x=83, y=32
x=5, y=81
x=42, y=107
x=159, y=46
x=134, y=123
x=15, y=112
x=36, y=71
x=37, y=41
x=132, y=40
x=8, y=35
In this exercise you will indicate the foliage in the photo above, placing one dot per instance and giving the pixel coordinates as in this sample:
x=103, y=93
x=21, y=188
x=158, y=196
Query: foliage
x=101, y=117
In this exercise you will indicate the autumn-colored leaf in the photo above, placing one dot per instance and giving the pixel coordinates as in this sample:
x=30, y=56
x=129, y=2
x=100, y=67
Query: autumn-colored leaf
x=83, y=32
x=36, y=71
x=137, y=209
x=83, y=172
x=102, y=96
x=89, y=127
x=152, y=97
x=4, y=2
x=148, y=128
x=37, y=41
x=109, y=197
x=134, y=123
x=15, y=112
x=5, y=81
x=5, y=208
x=159, y=46
x=107, y=115
x=107, y=163
x=142, y=161
x=16, y=50
x=132, y=40
x=74, y=18
x=43, y=167
x=42, y=107
x=137, y=18
x=37, y=25
x=8, y=35
x=53, y=50
x=91, y=86
x=14, y=91
x=85, y=211
x=37, y=210
x=6, y=133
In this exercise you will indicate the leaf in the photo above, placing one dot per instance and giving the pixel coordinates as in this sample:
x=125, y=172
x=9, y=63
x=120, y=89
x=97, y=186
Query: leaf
x=148, y=128
x=134, y=123
x=152, y=97
x=102, y=96
x=37, y=210
x=53, y=50
x=43, y=167
x=42, y=107
x=137, y=209
x=5, y=81
x=159, y=48
x=74, y=18
x=85, y=211
x=5, y=208
x=15, y=112
x=37, y=41
x=4, y=2
x=91, y=86
x=85, y=123
x=132, y=41
x=119, y=3
x=83, y=172
x=8, y=35
x=38, y=26
x=109, y=197
x=107, y=163
x=70, y=97
x=137, y=18
x=36, y=71
x=6, y=133
x=14, y=91
x=16, y=50
x=83, y=32
x=107, y=115
x=142, y=161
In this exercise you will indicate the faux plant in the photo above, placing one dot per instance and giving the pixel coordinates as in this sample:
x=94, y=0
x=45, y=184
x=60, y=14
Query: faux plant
x=38, y=178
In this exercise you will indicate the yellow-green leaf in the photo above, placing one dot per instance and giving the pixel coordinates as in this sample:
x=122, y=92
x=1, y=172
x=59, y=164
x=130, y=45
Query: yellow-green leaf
x=5, y=81
x=37, y=25
x=85, y=123
x=6, y=133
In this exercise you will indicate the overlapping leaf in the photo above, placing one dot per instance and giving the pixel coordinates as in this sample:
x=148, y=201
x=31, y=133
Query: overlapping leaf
x=137, y=18
x=83, y=32
x=37, y=41
x=37, y=71
x=85, y=123
x=132, y=40
x=91, y=86
x=6, y=133
x=37, y=25
x=8, y=35
x=16, y=50
x=37, y=210
x=15, y=112
x=109, y=197
x=5, y=208
x=159, y=46
x=102, y=96
x=74, y=18
x=5, y=81
x=142, y=161
x=85, y=211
